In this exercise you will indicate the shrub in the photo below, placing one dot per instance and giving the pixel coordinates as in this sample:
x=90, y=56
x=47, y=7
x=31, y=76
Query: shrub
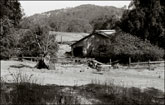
x=116, y=95
x=124, y=45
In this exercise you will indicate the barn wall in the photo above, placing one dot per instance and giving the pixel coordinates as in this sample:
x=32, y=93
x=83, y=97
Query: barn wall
x=90, y=45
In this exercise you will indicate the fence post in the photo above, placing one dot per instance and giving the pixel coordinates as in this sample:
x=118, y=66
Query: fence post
x=129, y=61
x=61, y=39
x=149, y=64
x=22, y=58
x=110, y=61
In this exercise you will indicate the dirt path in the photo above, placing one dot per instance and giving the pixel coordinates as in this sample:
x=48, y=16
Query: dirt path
x=71, y=75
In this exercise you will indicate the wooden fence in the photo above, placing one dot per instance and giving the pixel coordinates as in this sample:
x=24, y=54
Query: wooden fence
x=57, y=60
x=151, y=65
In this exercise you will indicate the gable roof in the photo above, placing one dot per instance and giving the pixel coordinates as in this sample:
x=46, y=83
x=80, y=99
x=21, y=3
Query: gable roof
x=107, y=32
x=68, y=36
x=104, y=33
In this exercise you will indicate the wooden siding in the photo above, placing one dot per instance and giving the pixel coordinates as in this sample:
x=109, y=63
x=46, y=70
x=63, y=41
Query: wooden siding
x=91, y=44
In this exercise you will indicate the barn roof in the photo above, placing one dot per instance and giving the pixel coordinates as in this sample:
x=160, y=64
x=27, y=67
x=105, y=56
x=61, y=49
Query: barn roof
x=68, y=36
x=105, y=33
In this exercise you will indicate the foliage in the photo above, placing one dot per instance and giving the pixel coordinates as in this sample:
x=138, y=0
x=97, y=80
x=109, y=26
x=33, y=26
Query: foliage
x=104, y=22
x=116, y=95
x=28, y=45
x=10, y=16
x=26, y=93
x=124, y=45
x=146, y=20
x=37, y=41
x=79, y=19
x=31, y=93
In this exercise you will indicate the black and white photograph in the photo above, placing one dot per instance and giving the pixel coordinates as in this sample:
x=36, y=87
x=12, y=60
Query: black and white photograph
x=84, y=52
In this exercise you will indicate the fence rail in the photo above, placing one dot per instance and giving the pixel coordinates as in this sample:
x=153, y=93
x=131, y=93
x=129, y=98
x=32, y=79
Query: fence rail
x=151, y=65
x=149, y=62
x=58, y=60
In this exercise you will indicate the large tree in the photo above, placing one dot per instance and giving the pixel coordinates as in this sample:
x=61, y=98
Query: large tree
x=36, y=42
x=10, y=15
x=145, y=19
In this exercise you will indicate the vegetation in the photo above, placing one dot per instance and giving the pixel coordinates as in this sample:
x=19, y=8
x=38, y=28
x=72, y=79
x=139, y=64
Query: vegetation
x=145, y=19
x=10, y=16
x=124, y=45
x=37, y=41
x=26, y=93
x=83, y=18
x=116, y=95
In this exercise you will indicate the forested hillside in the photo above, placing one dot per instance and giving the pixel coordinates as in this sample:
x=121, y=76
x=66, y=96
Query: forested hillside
x=83, y=18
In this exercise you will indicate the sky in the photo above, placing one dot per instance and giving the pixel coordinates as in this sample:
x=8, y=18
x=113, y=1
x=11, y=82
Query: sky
x=33, y=7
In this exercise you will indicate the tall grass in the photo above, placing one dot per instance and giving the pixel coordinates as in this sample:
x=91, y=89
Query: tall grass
x=25, y=91
x=108, y=93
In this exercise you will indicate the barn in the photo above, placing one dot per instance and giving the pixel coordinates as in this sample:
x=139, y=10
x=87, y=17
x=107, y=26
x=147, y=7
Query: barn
x=91, y=45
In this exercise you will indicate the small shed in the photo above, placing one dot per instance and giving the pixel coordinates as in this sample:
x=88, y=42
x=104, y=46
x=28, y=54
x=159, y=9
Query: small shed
x=91, y=45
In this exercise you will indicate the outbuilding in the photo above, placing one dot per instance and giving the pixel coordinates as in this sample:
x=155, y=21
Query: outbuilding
x=91, y=45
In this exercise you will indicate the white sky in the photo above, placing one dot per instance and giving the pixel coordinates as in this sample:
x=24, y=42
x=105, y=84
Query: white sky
x=32, y=7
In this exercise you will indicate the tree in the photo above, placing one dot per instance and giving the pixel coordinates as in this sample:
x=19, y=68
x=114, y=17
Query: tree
x=104, y=22
x=38, y=43
x=123, y=45
x=10, y=16
x=146, y=20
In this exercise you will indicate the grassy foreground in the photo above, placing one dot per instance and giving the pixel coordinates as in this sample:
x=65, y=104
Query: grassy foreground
x=29, y=93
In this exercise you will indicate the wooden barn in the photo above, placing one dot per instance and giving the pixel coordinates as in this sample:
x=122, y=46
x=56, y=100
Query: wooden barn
x=91, y=45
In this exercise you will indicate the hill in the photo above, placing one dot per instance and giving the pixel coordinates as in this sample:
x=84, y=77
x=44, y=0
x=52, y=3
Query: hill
x=82, y=18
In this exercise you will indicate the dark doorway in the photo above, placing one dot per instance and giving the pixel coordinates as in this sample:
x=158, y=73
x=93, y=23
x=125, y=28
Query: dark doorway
x=78, y=51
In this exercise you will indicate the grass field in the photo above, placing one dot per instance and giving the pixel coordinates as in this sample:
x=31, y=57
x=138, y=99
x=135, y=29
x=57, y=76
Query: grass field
x=81, y=74
x=80, y=84
x=27, y=93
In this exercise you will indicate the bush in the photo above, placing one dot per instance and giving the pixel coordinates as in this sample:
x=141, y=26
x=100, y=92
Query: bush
x=116, y=95
x=25, y=91
x=124, y=45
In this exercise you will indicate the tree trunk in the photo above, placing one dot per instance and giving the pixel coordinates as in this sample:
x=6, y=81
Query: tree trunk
x=43, y=62
x=41, y=65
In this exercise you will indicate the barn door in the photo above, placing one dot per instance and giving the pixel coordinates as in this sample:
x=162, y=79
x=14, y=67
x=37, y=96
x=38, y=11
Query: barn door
x=78, y=52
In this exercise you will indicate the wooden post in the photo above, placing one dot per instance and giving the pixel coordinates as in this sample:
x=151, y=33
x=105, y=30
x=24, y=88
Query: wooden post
x=22, y=58
x=149, y=65
x=138, y=63
x=61, y=39
x=129, y=61
x=110, y=62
